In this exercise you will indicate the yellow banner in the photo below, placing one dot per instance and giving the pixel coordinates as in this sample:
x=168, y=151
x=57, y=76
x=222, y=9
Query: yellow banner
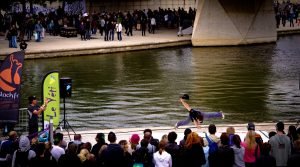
x=52, y=93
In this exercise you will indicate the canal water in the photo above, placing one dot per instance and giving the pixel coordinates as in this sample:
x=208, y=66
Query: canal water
x=142, y=88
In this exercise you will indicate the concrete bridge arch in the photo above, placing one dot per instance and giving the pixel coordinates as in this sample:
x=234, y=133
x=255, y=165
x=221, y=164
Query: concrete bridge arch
x=217, y=22
x=234, y=22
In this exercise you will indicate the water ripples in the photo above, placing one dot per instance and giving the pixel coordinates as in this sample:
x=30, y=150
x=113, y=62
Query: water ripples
x=141, y=89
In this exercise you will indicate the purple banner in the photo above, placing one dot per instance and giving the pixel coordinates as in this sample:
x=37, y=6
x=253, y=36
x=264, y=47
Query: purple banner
x=10, y=85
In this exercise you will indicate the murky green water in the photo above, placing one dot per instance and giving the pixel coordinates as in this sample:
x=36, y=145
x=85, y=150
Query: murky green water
x=141, y=89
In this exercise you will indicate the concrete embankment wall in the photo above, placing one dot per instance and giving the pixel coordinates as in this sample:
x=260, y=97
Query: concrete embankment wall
x=288, y=31
x=101, y=50
x=61, y=47
x=125, y=133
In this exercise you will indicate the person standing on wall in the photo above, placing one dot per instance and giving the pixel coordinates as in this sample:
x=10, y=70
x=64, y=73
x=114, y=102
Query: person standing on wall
x=153, y=24
x=143, y=25
x=119, y=30
x=38, y=28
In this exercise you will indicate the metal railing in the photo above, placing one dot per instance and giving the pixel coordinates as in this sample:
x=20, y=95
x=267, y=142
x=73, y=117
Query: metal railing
x=22, y=126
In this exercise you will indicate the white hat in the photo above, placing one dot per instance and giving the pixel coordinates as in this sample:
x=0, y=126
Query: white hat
x=24, y=143
x=85, y=14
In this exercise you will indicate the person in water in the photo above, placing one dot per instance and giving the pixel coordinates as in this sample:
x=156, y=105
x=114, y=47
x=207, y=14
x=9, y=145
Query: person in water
x=196, y=116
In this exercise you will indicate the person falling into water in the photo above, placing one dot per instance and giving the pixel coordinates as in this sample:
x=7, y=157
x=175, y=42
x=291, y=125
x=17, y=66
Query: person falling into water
x=196, y=116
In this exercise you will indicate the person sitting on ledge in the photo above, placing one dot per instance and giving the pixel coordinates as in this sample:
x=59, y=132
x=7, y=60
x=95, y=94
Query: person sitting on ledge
x=23, y=45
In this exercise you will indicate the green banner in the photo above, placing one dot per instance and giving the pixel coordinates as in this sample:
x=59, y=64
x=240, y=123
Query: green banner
x=51, y=92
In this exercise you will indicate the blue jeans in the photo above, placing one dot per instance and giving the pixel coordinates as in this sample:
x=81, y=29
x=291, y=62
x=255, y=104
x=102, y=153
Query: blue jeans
x=38, y=36
x=29, y=34
x=13, y=42
x=119, y=36
x=206, y=116
x=111, y=35
x=10, y=43
x=87, y=34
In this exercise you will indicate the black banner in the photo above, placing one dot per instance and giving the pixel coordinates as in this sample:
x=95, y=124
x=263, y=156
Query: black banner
x=10, y=85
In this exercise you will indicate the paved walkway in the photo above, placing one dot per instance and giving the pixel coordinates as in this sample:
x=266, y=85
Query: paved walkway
x=55, y=46
x=62, y=46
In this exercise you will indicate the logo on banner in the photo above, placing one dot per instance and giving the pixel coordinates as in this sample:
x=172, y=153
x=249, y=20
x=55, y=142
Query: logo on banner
x=9, y=77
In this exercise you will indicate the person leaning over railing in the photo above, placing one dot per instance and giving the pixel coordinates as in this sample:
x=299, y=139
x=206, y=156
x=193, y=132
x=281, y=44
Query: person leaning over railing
x=280, y=145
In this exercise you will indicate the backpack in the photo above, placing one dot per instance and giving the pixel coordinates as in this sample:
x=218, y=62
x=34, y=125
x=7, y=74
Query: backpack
x=259, y=141
x=142, y=157
x=22, y=159
x=213, y=146
x=231, y=140
x=138, y=165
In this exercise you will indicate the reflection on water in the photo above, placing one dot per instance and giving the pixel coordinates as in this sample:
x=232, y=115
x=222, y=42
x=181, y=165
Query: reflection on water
x=249, y=83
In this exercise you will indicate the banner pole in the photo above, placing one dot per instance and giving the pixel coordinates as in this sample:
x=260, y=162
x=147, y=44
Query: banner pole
x=64, y=100
x=51, y=129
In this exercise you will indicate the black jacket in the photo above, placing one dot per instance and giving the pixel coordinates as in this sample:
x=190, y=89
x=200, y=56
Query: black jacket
x=194, y=156
x=143, y=156
x=294, y=160
x=225, y=156
x=69, y=159
x=174, y=150
x=265, y=161
x=113, y=155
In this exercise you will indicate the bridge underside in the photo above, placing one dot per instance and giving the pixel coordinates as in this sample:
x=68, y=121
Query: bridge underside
x=234, y=22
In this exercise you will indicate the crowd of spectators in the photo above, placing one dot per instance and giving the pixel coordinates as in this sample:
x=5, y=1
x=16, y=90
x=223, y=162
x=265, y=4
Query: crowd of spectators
x=286, y=11
x=227, y=150
x=22, y=26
